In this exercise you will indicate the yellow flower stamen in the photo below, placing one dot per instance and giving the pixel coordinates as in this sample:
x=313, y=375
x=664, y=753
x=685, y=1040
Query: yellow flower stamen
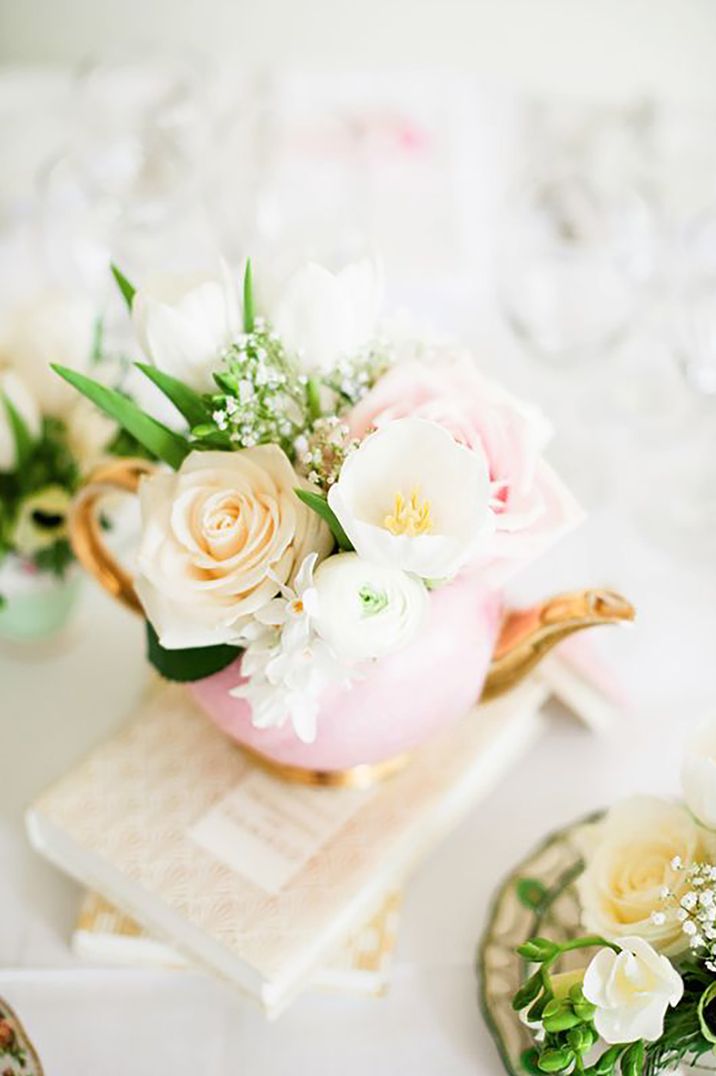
x=410, y=517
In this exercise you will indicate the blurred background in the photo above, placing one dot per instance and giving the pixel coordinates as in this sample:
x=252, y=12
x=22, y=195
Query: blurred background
x=539, y=177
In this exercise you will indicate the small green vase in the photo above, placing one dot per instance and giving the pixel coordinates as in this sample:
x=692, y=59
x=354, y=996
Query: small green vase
x=38, y=612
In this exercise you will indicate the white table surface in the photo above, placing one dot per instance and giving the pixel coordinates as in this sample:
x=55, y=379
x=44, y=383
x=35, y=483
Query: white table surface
x=54, y=707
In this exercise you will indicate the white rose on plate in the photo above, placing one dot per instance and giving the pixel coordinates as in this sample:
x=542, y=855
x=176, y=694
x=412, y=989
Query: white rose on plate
x=219, y=537
x=14, y=389
x=51, y=326
x=632, y=990
x=183, y=324
x=698, y=773
x=367, y=610
x=323, y=316
x=411, y=497
x=641, y=848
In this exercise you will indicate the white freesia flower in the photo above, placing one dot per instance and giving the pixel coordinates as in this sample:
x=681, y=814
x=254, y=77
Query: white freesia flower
x=286, y=665
x=219, y=537
x=698, y=773
x=367, y=610
x=642, y=848
x=322, y=316
x=14, y=389
x=183, y=324
x=632, y=990
x=411, y=497
x=51, y=326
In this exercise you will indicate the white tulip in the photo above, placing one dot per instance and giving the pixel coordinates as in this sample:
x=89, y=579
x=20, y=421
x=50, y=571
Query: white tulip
x=323, y=316
x=632, y=990
x=14, y=389
x=367, y=610
x=183, y=324
x=411, y=497
x=698, y=773
x=51, y=326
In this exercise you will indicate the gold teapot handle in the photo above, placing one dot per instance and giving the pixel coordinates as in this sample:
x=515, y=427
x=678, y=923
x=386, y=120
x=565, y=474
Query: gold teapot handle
x=527, y=635
x=85, y=530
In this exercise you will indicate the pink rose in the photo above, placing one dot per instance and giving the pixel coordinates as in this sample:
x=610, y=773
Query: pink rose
x=531, y=504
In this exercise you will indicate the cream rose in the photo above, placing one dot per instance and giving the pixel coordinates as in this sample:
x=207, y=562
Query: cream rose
x=366, y=610
x=631, y=859
x=632, y=990
x=218, y=538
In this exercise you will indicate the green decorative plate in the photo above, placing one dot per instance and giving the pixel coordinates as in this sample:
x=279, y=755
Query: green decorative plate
x=18, y=1056
x=538, y=898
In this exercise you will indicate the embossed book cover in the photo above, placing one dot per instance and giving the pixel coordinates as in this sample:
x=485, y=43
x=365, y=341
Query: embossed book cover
x=258, y=879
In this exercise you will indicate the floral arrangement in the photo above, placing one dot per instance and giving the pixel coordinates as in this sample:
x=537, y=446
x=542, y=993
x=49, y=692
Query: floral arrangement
x=330, y=473
x=646, y=1000
x=48, y=436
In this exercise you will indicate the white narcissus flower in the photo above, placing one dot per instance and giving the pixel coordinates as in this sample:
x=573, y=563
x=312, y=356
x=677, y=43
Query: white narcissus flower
x=641, y=849
x=366, y=610
x=632, y=990
x=219, y=537
x=323, y=316
x=14, y=389
x=183, y=324
x=51, y=326
x=411, y=497
x=698, y=773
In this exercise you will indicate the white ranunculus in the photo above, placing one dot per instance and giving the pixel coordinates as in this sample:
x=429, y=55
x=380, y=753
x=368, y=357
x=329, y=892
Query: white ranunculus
x=183, y=324
x=632, y=991
x=219, y=536
x=367, y=610
x=411, y=497
x=642, y=847
x=323, y=316
x=51, y=326
x=698, y=773
x=13, y=388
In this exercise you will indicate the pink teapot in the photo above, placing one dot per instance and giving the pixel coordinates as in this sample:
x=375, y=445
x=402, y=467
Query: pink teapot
x=470, y=648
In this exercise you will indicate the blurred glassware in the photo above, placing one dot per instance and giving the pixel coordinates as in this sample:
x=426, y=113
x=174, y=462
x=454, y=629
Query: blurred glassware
x=573, y=263
x=693, y=304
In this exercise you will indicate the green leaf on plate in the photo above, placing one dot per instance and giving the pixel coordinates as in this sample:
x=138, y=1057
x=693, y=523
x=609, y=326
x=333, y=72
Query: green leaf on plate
x=128, y=290
x=249, y=315
x=158, y=439
x=187, y=402
x=194, y=663
x=21, y=435
x=531, y=892
x=322, y=508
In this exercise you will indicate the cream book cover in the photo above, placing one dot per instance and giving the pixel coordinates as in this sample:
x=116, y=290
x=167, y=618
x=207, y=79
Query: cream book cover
x=360, y=966
x=253, y=877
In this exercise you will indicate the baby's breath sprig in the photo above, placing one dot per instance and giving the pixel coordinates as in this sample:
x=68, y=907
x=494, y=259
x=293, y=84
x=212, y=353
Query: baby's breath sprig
x=355, y=375
x=695, y=909
x=322, y=451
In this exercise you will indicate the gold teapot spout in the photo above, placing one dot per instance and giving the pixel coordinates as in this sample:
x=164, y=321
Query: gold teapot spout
x=527, y=635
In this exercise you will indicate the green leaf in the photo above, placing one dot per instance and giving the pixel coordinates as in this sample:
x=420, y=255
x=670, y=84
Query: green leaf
x=707, y=1020
x=187, y=402
x=21, y=435
x=97, y=341
x=227, y=383
x=322, y=508
x=538, y=949
x=313, y=398
x=194, y=663
x=158, y=439
x=556, y=1060
x=531, y=892
x=249, y=315
x=528, y=992
x=632, y=1063
x=128, y=290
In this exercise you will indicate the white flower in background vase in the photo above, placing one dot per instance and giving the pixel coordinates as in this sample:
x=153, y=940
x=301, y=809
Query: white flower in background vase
x=286, y=666
x=14, y=389
x=184, y=323
x=411, y=497
x=632, y=991
x=698, y=773
x=219, y=537
x=365, y=610
x=642, y=848
x=323, y=316
x=50, y=326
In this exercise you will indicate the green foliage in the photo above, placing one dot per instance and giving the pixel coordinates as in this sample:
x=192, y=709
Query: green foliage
x=322, y=508
x=20, y=432
x=683, y=1040
x=128, y=290
x=188, y=403
x=158, y=439
x=188, y=665
x=249, y=312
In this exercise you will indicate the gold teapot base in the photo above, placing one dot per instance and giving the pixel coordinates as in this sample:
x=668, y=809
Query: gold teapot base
x=366, y=775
